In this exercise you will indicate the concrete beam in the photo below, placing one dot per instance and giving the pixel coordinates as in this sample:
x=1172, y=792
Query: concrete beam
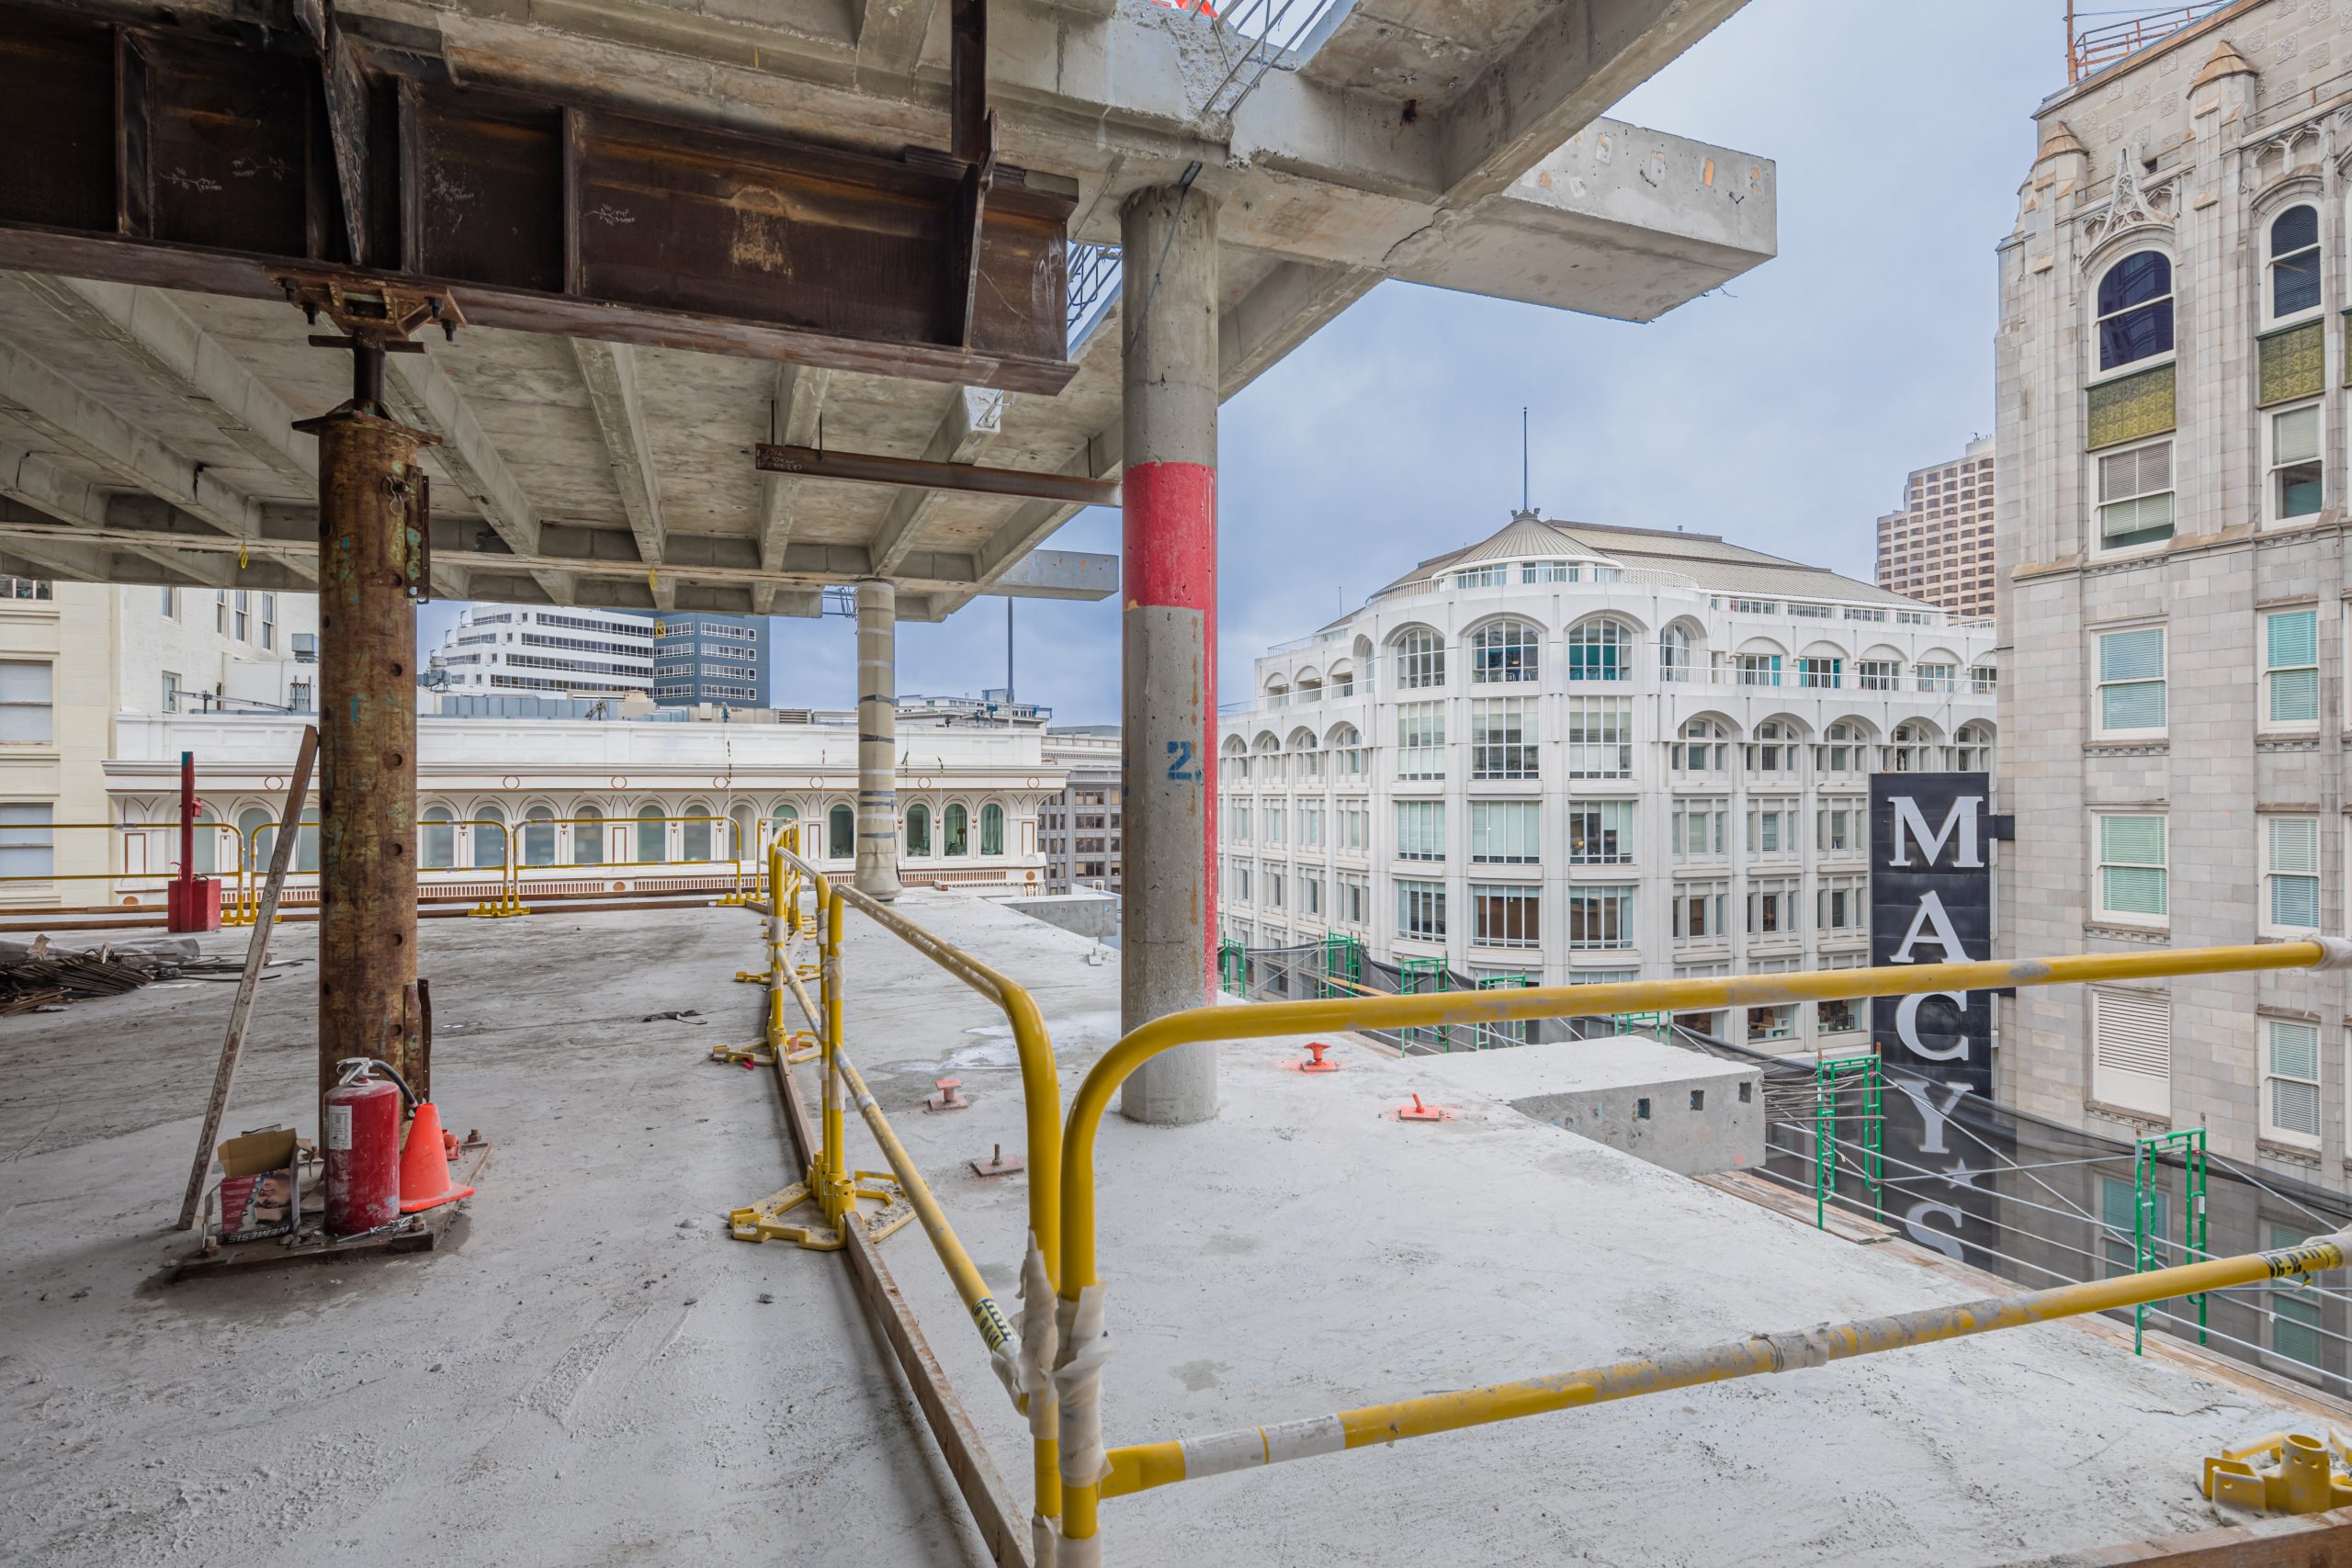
x=61, y=501
x=60, y=412
x=794, y=412
x=1292, y=303
x=609, y=370
x=421, y=394
x=147, y=329
x=1059, y=574
x=890, y=33
x=974, y=418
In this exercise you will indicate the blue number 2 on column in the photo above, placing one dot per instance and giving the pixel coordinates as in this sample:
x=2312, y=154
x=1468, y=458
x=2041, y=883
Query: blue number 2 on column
x=1179, y=754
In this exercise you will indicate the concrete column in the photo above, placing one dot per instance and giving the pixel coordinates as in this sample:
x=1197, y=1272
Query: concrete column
x=1168, y=299
x=877, y=741
x=370, y=514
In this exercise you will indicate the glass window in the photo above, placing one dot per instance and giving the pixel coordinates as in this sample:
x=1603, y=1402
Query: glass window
x=1505, y=651
x=1420, y=741
x=992, y=828
x=841, y=833
x=2291, y=667
x=2131, y=874
x=1601, y=738
x=956, y=830
x=2290, y=1080
x=1602, y=649
x=1420, y=910
x=1773, y=907
x=2293, y=1306
x=1839, y=828
x=1674, y=654
x=1698, y=827
x=26, y=715
x=1699, y=911
x=2296, y=473
x=1880, y=675
x=1759, y=669
x=2135, y=495
x=653, y=836
x=539, y=836
x=1774, y=750
x=437, y=843
x=171, y=692
x=1420, y=829
x=1843, y=1016
x=694, y=833
x=1505, y=916
x=2135, y=309
x=1421, y=659
x=1505, y=832
x=1821, y=674
x=917, y=830
x=1973, y=753
x=786, y=826
x=588, y=836
x=489, y=836
x=2290, y=873
x=1772, y=1023
x=1937, y=677
x=1502, y=738
x=28, y=847
x=2294, y=263
x=244, y=613
x=2131, y=682
x=1601, y=833
x=1600, y=917
x=1701, y=749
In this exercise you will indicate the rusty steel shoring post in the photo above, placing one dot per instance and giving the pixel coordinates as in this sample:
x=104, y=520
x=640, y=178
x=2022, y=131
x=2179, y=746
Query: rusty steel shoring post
x=374, y=562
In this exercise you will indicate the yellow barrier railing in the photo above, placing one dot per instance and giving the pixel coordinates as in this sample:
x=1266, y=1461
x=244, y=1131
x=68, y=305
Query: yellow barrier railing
x=1090, y=1472
x=1024, y=1367
x=30, y=836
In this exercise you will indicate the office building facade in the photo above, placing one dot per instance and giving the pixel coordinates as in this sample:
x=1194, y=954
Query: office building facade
x=1938, y=547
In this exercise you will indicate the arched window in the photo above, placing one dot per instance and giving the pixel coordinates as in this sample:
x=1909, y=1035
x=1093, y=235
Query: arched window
x=1234, y=766
x=306, y=841
x=1773, y=750
x=490, y=836
x=694, y=833
x=1701, y=749
x=1421, y=659
x=437, y=844
x=1973, y=752
x=588, y=836
x=956, y=830
x=917, y=830
x=743, y=834
x=841, y=833
x=2135, y=309
x=992, y=828
x=653, y=835
x=1913, y=749
x=1347, y=753
x=254, y=827
x=1307, y=761
x=1674, y=654
x=1504, y=651
x=1601, y=650
x=1843, y=749
x=539, y=836
x=1269, y=761
x=786, y=823
x=206, y=846
x=2294, y=263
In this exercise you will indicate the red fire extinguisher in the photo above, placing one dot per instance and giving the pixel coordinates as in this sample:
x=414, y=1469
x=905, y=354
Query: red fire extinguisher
x=363, y=1139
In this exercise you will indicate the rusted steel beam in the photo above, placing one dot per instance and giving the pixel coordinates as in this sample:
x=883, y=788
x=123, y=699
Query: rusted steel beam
x=371, y=561
x=209, y=162
x=806, y=462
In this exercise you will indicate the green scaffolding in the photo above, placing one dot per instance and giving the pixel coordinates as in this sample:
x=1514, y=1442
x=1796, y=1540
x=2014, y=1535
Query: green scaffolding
x=1487, y=1036
x=1830, y=1079
x=1233, y=967
x=1342, y=967
x=1418, y=976
x=1658, y=1023
x=2147, y=1225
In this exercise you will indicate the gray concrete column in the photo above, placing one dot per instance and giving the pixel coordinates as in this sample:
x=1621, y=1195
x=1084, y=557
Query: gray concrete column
x=1168, y=299
x=877, y=741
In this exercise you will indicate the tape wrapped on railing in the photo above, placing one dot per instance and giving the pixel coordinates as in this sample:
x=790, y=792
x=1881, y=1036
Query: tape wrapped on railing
x=1078, y=1385
x=1026, y=1370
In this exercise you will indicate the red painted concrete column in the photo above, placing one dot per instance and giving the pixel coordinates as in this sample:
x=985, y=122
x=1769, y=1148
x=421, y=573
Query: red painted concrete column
x=1168, y=299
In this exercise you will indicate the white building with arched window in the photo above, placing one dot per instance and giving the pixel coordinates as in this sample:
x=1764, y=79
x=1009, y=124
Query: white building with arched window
x=1573, y=753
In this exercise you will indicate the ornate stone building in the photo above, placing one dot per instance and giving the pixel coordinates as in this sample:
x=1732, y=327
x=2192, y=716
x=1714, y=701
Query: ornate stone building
x=2171, y=426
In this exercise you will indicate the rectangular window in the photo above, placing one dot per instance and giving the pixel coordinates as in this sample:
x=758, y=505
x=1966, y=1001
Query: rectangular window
x=1843, y=1016
x=1600, y=917
x=1273, y=824
x=1601, y=833
x=1698, y=827
x=27, y=845
x=269, y=620
x=1773, y=909
x=1502, y=738
x=1880, y=675
x=2295, y=467
x=2293, y=1306
x=1420, y=910
x=220, y=611
x=1274, y=900
x=2131, y=1051
x=1505, y=916
x=2290, y=1082
x=1420, y=741
x=2290, y=668
x=26, y=715
x=245, y=613
x=1820, y=673
x=1759, y=669
x=2135, y=495
x=1937, y=677
x=1843, y=905
x=2131, y=870
x=1699, y=911
x=1985, y=679
x=1310, y=826
x=2131, y=682
x=1601, y=738
x=1838, y=828
x=2291, y=876
x=1772, y=1023
x=1355, y=898
x=171, y=603
x=1771, y=831
x=1310, y=895
x=1355, y=828
x=1506, y=833
x=1420, y=661
x=171, y=692
x=1420, y=829
x=1482, y=577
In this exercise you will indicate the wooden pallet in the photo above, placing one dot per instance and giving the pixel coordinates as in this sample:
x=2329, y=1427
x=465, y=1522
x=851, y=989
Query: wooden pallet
x=423, y=1233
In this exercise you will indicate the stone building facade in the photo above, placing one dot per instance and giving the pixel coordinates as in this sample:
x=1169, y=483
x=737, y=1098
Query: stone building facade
x=1574, y=753
x=2171, y=367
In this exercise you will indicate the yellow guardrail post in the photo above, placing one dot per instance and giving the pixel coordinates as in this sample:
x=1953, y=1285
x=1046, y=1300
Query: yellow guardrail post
x=1085, y=1463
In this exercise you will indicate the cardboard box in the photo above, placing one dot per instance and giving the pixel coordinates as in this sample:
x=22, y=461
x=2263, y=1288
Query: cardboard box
x=261, y=1185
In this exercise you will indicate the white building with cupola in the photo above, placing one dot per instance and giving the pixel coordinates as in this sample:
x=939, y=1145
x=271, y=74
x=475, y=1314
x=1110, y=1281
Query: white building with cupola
x=1572, y=754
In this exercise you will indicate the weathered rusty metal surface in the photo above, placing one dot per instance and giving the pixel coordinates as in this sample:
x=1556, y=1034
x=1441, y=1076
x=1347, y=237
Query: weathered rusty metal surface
x=208, y=161
x=368, y=552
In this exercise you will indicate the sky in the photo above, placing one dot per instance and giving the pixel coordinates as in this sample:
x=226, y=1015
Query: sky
x=1782, y=411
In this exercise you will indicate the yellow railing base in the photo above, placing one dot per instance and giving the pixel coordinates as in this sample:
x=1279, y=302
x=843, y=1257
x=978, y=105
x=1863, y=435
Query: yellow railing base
x=759, y=1052
x=2286, y=1473
x=763, y=1221
x=755, y=978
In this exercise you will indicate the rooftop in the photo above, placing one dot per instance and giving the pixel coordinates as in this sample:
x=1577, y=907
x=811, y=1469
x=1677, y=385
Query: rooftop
x=594, y=1372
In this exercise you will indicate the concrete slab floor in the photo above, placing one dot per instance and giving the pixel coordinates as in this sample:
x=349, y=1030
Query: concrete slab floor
x=588, y=1375
x=583, y=1378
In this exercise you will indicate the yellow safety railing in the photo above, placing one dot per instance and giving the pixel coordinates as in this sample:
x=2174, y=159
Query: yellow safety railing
x=1090, y=1472
x=1024, y=1366
x=37, y=836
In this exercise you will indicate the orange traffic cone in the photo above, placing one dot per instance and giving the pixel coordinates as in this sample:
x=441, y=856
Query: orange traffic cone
x=424, y=1165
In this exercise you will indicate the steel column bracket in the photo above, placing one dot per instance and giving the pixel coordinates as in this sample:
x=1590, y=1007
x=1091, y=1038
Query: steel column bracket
x=763, y=1221
x=379, y=314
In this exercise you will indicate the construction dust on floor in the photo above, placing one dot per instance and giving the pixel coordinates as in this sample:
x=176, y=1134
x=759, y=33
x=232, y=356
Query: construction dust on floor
x=590, y=1372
